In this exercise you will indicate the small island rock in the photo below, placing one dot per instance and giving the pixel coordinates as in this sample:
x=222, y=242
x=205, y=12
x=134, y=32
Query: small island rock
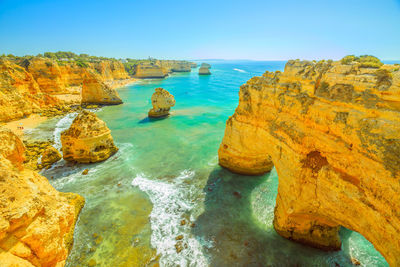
x=88, y=140
x=205, y=69
x=162, y=101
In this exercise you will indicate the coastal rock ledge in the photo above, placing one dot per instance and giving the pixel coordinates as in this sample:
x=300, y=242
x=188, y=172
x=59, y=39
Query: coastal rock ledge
x=332, y=131
x=36, y=221
x=87, y=140
x=162, y=102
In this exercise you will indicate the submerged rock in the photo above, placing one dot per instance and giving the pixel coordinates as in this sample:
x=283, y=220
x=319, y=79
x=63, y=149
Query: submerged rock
x=36, y=221
x=332, y=131
x=162, y=101
x=87, y=140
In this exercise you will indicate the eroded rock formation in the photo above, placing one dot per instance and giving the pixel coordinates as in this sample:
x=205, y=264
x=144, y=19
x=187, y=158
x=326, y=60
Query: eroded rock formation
x=94, y=91
x=87, y=140
x=204, y=69
x=147, y=70
x=50, y=155
x=38, y=85
x=332, y=131
x=162, y=102
x=36, y=221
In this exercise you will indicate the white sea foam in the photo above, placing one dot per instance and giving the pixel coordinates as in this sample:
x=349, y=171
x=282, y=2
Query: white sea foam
x=240, y=70
x=62, y=125
x=171, y=201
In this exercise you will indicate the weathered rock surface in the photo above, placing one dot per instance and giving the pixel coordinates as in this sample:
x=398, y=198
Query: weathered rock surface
x=50, y=155
x=162, y=102
x=332, y=131
x=40, y=85
x=36, y=221
x=87, y=140
x=94, y=91
x=204, y=69
x=146, y=70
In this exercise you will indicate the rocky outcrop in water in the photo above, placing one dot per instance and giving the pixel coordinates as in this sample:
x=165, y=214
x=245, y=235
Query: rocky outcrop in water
x=162, y=102
x=87, y=140
x=149, y=70
x=204, y=69
x=36, y=221
x=94, y=91
x=332, y=131
x=50, y=155
x=39, y=85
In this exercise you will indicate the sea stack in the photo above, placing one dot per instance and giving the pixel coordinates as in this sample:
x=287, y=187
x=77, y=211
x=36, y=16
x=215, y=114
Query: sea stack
x=36, y=221
x=204, y=69
x=332, y=131
x=94, y=91
x=162, y=101
x=88, y=140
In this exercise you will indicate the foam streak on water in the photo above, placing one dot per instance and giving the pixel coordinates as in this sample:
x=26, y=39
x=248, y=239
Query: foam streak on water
x=171, y=201
x=240, y=70
x=62, y=125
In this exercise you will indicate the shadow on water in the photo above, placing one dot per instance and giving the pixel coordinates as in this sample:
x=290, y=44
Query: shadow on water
x=238, y=239
x=149, y=120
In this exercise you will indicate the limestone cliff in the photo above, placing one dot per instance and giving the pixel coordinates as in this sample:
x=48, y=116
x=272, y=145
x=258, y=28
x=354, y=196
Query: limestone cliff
x=162, y=102
x=148, y=70
x=204, y=69
x=36, y=221
x=94, y=91
x=40, y=84
x=175, y=65
x=332, y=131
x=87, y=140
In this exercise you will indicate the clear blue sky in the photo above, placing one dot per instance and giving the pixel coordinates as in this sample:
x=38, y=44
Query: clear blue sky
x=200, y=29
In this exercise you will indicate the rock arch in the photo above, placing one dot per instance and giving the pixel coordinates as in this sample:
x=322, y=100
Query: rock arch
x=337, y=156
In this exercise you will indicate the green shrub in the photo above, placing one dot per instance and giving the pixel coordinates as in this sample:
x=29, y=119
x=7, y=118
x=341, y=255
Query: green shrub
x=367, y=61
x=81, y=64
x=348, y=59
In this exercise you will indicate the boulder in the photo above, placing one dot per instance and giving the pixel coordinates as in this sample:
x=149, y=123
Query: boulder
x=162, y=101
x=50, y=155
x=87, y=140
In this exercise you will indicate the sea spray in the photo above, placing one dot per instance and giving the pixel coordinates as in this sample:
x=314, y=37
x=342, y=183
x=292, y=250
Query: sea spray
x=62, y=125
x=171, y=202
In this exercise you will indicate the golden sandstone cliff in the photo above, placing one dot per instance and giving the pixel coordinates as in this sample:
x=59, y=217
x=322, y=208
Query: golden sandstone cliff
x=34, y=85
x=87, y=140
x=332, y=131
x=36, y=221
x=162, y=102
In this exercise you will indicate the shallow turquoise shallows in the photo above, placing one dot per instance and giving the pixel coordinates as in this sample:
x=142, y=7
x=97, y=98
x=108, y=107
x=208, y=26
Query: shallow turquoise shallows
x=163, y=198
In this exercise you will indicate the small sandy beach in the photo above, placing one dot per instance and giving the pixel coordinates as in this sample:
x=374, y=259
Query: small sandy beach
x=19, y=126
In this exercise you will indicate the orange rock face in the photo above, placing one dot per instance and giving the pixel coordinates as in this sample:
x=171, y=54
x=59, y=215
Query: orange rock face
x=39, y=84
x=36, y=221
x=162, y=102
x=87, y=140
x=94, y=91
x=332, y=131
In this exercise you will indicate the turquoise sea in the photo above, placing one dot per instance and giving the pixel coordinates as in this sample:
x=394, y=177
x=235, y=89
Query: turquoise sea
x=163, y=192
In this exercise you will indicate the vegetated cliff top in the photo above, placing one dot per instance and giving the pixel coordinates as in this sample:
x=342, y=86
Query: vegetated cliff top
x=82, y=60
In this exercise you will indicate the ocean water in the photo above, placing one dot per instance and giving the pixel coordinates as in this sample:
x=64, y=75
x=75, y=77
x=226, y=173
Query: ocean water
x=163, y=192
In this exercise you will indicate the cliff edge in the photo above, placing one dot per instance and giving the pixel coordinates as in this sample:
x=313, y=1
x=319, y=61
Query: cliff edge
x=332, y=131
